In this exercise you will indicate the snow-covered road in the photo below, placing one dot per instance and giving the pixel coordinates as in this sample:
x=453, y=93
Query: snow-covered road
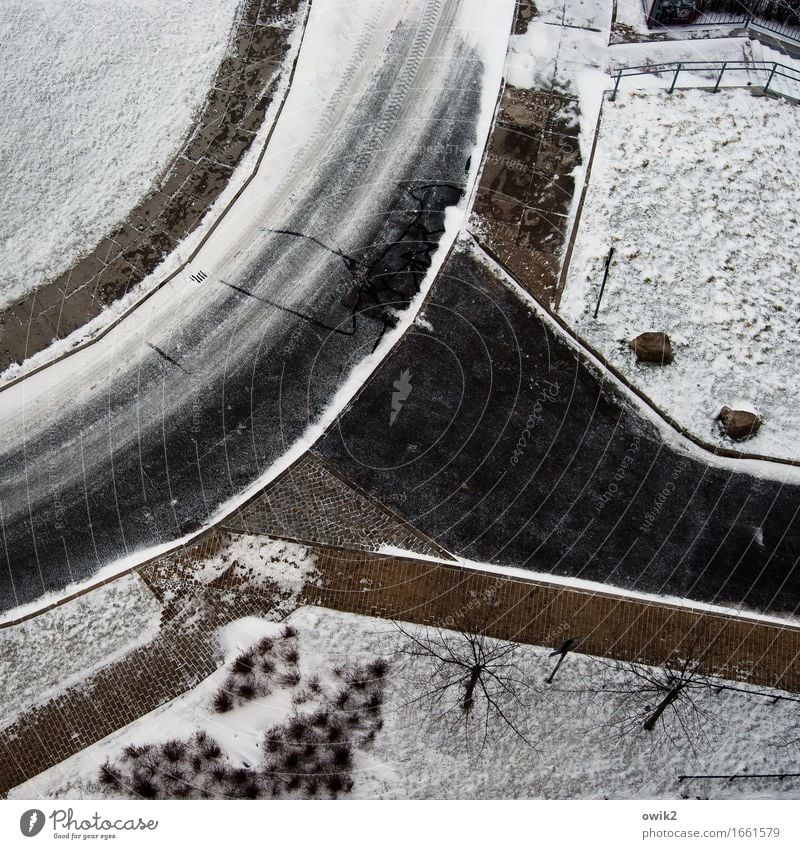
x=139, y=438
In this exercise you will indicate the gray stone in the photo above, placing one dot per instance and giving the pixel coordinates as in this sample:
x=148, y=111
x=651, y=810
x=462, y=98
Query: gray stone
x=738, y=424
x=652, y=347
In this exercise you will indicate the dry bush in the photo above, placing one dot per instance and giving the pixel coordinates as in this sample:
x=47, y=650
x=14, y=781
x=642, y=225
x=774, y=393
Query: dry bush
x=309, y=755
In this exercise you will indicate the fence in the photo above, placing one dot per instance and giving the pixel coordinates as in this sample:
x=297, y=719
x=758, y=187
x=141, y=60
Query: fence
x=781, y=19
x=777, y=79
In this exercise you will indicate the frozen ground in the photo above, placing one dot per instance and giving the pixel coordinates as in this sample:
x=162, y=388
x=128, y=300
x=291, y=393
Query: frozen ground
x=48, y=653
x=698, y=195
x=576, y=754
x=96, y=98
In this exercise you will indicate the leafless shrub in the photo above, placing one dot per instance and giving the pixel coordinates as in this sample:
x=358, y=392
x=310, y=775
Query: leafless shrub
x=291, y=655
x=244, y=664
x=110, y=774
x=667, y=701
x=246, y=692
x=222, y=701
x=144, y=787
x=309, y=754
x=466, y=680
x=133, y=752
x=174, y=750
x=290, y=678
x=265, y=646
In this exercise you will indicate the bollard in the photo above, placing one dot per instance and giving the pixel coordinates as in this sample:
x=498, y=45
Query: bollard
x=719, y=78
x=771, y=75
x=603, y=284
x=613, y=95
x=675, y=78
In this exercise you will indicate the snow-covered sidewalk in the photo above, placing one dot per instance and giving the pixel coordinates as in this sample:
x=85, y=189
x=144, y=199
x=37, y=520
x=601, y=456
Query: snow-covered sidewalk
x=50, y=652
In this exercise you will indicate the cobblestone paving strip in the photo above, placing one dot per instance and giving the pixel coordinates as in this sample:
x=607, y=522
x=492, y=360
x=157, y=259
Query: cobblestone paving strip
x=537, y=613
x=310, y=503
x=147, y=678
x=234, y=110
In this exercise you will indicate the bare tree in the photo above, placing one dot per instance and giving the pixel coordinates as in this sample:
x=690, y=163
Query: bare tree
x=466, y=680
x=668, y=701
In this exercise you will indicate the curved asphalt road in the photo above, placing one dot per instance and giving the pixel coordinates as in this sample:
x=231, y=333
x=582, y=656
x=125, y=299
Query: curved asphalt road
x=141, y=437
x=509, y=448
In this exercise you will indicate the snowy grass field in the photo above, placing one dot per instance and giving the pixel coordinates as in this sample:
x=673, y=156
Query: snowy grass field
x=96, y=98
x=576, y=753
x=698, y=194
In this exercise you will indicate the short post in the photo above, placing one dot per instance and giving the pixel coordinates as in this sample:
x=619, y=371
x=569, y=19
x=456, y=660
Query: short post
x=603, y=284
x=719, y=78
x=771, y=75
x=675, y=78
x=561, y=651
x=616, y=85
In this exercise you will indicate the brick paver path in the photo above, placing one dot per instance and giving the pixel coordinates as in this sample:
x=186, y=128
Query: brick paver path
x=529, y=611
x=117, y=695
x=437, y=594
x=526, y=187
x=312, y=503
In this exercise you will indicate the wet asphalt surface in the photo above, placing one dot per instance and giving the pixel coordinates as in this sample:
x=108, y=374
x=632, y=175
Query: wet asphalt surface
x=507, y=447
x=207, y=404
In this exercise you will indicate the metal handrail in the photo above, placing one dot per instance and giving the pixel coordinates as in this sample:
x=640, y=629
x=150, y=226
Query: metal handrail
x=773, y=68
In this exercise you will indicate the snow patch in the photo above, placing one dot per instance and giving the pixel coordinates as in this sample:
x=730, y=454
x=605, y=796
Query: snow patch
x=698, y=195
x=46, y=655
x=96, y=99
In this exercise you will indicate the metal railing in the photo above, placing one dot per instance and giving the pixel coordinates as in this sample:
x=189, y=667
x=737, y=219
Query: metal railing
x=771, y=17
x=771, y=70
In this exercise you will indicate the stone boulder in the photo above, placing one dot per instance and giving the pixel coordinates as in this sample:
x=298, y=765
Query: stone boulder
x=652, y=347
x=739, y=424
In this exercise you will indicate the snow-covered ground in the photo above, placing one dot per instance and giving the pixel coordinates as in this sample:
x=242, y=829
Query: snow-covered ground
x=96, y=98
x=47, y=654
x=576, y=752
x=282, y=567
x=698, y=194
